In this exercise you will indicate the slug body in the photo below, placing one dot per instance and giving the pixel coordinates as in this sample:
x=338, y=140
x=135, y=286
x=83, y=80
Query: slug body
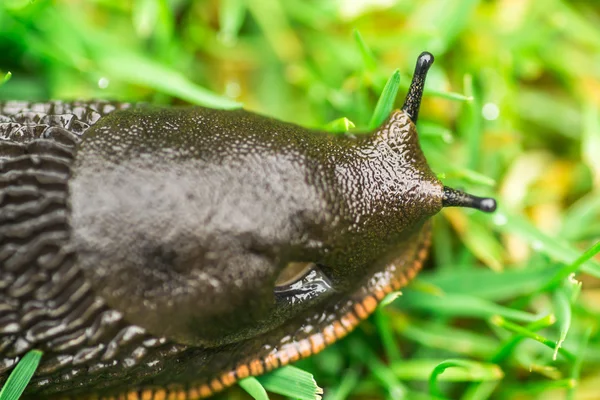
x=172, y=251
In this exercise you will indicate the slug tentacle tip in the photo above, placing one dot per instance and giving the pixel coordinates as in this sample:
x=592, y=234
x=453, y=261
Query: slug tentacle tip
x=412, y=103
x=458, y=198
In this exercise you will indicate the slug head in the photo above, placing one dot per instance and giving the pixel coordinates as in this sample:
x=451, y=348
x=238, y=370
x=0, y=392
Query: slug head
x=388, y=192
x=451, y=197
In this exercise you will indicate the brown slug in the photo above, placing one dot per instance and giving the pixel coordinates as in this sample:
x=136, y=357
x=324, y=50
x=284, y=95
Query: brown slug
x=156, y=253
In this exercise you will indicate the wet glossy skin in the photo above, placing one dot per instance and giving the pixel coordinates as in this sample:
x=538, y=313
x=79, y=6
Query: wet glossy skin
x=147, y=251
x=183, y=236
x=197, y=227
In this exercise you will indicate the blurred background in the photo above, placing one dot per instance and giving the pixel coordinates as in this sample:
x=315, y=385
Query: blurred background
x=509, y=304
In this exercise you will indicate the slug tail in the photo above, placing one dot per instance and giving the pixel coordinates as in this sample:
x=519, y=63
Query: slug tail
x=412, y=103
x=457, y=198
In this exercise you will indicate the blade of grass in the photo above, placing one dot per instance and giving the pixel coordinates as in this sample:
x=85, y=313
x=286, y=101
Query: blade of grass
x=253, y=387
x=506, y=349
x=490, y=285
x=461, y=305
x=270, y=15
x=576, y=224
x=390, y=344
x=449, y=95
x=501, y=322
x=145, y=17
x=575, y=24
x=367, y=56
x=348, y=383
x=452, y=96
x=467, y=371
x=153, y=19
x=389, y=299
x=480, y=390
x=430, y=129
x=471, y=370
x=536, y=388
x=536, y=106
x=20, y=376
x=437, y=336
x=576, y=367
x=562, y=309
x=471, y=123
x=293, y=382
x=140, y=70
x=339, y=125
x=385, y=104
x=361, y=352
x=572, y=268
x=590, y=141
x=231, y=17
x=479, y=239
x=469, y=176
x=550, y=246
x=6, y=78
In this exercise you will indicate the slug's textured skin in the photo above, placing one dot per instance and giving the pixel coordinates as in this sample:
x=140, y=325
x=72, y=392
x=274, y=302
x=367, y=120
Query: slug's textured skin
x=139, y=247
x=165, y=253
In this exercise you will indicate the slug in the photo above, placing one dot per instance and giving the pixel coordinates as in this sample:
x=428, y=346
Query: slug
x=158, y=253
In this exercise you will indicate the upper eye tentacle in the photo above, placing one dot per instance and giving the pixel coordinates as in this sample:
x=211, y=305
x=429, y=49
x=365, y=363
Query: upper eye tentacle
x=412, y=103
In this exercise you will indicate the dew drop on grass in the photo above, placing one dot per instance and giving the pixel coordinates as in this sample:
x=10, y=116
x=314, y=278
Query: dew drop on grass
x=103, y=83
x=490, y=111
x=233, y=89
x=500, y=219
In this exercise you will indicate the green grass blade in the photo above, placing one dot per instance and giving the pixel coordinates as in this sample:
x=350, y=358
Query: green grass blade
x=562, y=309
x=480, y=390
x=490, y=285
x=433, y=130
x=448, y=95
x=153, y=19
x=572, y=268
x=535, y=389
x=6, y=78
x=231, y=17
x=382, y=372
x=576, y=224
x=467, y=371
x=579, y=356
x=506, y=349
x=254, y=388
x=145, y=17
x=368, y=59
x=340, y=125
x=475, y=233
x=292, y=382
x=140, y=70
x=273, y=20
x=388, y=339
x=471, y=123
x=501, y=322
x=389, y=299
x=20, y=376
x=470, y=176
x=590, y=141
x=439, y=336
x=548, y=245
x=349, y=381
x=461, y=305
x=385, y=104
